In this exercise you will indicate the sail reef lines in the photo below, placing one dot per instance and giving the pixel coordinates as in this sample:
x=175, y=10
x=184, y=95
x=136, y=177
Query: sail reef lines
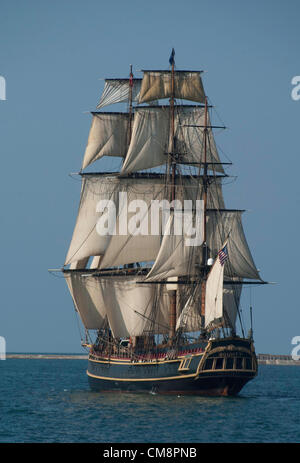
x=143, y=268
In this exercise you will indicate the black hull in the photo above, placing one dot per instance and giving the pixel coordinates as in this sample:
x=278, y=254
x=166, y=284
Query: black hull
x=215, y=368
x=212, y=386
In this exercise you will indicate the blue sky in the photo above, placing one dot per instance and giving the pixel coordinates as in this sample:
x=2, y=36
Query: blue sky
x=53, y=55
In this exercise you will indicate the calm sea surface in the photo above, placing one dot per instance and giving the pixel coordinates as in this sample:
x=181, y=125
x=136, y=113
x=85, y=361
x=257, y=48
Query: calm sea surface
x=50, y=401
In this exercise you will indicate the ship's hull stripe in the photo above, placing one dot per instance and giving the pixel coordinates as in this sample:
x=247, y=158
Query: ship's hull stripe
x=141, y=379
x=113, y=362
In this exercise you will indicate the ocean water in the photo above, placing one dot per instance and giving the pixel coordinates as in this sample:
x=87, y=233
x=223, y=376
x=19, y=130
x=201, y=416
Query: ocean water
x=50, y=401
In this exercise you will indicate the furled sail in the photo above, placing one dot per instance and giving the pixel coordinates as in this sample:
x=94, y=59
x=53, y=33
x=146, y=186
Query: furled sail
x=220, y=225
x=150, y=141
x=107, y=137
x=117, y=91
x=87, y=299
x=158, y=85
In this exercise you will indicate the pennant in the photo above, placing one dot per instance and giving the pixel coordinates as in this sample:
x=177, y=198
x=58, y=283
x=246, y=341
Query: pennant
x=171, y=60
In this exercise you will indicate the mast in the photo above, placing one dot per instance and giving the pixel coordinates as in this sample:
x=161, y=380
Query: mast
x=172, y=167
x=130, y=104
x=204, y=248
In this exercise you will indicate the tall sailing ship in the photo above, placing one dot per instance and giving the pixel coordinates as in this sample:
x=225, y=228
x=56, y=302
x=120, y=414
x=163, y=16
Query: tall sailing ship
x=157, y=262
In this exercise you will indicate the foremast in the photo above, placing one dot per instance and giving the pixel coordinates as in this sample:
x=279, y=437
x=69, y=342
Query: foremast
x=204, y=246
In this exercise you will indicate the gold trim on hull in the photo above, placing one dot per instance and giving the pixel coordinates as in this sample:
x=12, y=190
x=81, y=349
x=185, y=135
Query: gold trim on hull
x=141, y=379
x=154, y=362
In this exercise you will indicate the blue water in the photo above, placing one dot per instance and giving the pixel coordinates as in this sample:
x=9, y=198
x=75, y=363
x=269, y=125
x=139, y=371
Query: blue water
x=50, y=401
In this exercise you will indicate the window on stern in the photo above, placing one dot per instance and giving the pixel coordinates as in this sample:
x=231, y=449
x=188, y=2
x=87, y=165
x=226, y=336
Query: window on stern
x=248, y=363
x=219, y=363
x=239, y=363
x=208, y=364
x=229, y=363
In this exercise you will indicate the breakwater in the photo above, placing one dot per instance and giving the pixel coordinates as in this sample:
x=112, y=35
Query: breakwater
x=269, y=359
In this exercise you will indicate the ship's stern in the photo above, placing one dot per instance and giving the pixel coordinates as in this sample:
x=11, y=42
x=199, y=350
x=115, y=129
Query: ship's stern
x=227, y=365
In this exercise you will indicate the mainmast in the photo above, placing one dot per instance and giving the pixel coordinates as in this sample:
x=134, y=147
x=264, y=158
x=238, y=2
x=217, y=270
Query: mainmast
x=172, y=177
x=204, y=247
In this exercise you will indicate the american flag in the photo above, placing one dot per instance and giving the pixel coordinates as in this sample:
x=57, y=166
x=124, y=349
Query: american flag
x=223, y=255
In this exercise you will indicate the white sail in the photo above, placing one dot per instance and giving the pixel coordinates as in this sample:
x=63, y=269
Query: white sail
x=107, y=137
x=190, y=318
x=214, y=292
x=133, y=241
x=87, y=299
x=222, y=224
x=158, y=85
x=189, y=138
x=79, y=264
x=129, y=248
x=91, y=238
x=231, y=301
x=86, y=241
x=114, y=231
x=95, y=262
x=117, y=91
x=150, y=141
x=180, y=247
x=133, y=308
